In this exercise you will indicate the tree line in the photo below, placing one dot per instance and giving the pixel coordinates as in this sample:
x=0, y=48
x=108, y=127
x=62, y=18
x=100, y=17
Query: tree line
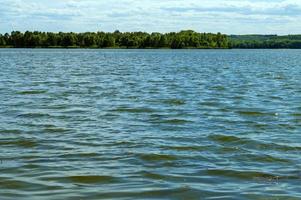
x=265, y=41
x=117, y=39
x=174, y=40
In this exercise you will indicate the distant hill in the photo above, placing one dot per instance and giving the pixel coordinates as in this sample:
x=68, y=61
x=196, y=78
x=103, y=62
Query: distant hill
x=265, y=41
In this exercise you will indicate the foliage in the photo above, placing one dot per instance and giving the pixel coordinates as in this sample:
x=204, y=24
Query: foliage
x=117, y=39
x=265, y=41
x=183, y=39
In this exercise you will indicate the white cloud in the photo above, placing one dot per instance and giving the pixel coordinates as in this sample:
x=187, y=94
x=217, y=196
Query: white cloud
x=228, y=16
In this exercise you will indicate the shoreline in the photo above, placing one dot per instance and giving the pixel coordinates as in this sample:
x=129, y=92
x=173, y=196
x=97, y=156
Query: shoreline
x=124, y=48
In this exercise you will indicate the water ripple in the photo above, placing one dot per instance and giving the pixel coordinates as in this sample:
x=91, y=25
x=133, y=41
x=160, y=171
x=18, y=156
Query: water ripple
x=150, y=124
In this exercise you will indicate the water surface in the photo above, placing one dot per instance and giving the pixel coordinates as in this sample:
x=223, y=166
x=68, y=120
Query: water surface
x=150, y=124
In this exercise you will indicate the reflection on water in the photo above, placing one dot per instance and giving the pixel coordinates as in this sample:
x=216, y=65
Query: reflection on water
x=150, y=124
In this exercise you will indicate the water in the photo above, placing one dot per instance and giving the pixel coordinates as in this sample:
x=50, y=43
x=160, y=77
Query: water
x=150, y=124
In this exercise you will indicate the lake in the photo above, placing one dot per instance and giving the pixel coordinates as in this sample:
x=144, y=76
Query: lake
x=150, y=124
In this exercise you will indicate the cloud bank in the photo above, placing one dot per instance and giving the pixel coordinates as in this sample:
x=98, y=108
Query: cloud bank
x=227, y=16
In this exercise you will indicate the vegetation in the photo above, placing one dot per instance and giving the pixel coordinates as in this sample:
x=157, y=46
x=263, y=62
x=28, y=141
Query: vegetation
x=265, y=41
x=183, y=39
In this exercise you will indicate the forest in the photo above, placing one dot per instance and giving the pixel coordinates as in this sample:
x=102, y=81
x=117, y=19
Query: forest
x=265, y=41
x=117, y=39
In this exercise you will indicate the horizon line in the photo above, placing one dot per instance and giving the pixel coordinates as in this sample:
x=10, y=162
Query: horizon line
x=78, y=32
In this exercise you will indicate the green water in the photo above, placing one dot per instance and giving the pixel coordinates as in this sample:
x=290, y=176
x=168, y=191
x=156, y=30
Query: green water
x=150, y=124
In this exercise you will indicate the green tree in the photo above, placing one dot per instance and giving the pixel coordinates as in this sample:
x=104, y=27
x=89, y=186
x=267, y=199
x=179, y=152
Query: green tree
x=52, y=40
x=163, y=41
x=109, y=41
x=2, y=40
x=68, y=39
x=17, y=39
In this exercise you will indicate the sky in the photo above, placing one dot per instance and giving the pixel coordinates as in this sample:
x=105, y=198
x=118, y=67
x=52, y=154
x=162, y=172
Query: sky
x=227, y=16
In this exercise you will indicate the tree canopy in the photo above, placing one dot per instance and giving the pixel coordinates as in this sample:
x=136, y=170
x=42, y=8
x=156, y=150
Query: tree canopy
x=117, y=39
x=265, y=41
x=174, y=40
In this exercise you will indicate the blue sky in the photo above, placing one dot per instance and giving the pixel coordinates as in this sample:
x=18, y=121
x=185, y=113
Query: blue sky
x=227, y=16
